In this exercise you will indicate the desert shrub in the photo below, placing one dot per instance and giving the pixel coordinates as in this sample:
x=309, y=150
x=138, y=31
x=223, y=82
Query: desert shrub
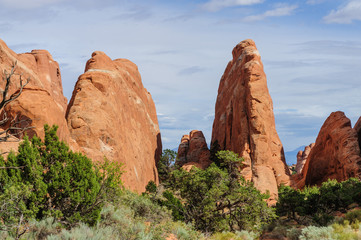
x=316, y=233
x=353, y=216
x=242, y=235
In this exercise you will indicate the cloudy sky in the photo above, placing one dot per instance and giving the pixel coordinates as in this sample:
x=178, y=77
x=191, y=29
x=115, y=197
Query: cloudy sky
x=311, y=51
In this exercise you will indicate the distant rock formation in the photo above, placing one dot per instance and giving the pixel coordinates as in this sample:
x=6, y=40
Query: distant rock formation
x=193, y=151
x=110, y=114
x=302, y=157
x=336, y=154
x=244, y=120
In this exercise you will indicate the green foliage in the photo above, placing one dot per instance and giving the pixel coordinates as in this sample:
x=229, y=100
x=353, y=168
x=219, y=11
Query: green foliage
x=316, y=233
x=166, y=164
x=46, y=179
x=318, y=203
x=218, y=199
x=353, y=216
x=242, y=235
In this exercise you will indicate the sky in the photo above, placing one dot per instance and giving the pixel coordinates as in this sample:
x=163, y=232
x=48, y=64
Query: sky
x=311, y=52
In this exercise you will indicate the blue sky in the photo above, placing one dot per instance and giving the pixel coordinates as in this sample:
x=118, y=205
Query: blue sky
x=311, y=51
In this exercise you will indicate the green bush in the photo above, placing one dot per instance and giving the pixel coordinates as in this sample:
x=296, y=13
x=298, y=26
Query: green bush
x=219, y=199
x=46, y=179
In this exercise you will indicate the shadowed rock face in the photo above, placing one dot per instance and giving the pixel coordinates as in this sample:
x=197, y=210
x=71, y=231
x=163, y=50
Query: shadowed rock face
x=336, y=154
x=357, y=128
x=244, y=120
x=112, y=115
x=193, y=151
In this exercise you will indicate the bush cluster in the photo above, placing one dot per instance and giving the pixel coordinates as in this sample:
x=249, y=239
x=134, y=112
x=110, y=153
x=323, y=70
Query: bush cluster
x=315, y=205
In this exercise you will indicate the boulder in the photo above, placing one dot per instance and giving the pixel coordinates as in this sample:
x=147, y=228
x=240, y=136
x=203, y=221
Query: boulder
x=244, y=121
x=112, y=115
x=336, y=153
x=193, y=150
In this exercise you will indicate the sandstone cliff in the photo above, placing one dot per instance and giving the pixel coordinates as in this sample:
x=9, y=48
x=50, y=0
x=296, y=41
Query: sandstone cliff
x=336, y=154
x=193, y=151
x=244, y=120
x=42, y=100
x=111, y=114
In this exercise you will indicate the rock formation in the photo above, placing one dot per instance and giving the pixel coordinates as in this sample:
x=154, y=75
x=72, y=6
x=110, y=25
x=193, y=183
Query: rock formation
x=302, y=157
x=42, y=100
x=244, y=120
x=112, y=115
x=193, y=151
x=336, y=154
x=357, y=128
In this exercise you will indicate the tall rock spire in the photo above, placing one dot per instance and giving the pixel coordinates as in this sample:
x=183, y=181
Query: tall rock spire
x=244, y=120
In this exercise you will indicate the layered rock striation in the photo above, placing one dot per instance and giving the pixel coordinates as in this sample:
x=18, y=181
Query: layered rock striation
x=193, y=151
x=244, y=120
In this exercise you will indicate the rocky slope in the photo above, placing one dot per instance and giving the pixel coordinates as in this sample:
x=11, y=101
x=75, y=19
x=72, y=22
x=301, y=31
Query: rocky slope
x=110, y=114
x=244, y=120
x=336, y=154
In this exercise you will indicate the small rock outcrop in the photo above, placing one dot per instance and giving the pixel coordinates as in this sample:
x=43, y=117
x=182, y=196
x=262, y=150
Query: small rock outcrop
x=193, y=150
x=336, y=153
x=112, y=115
x=244, y=120
x=302, y=157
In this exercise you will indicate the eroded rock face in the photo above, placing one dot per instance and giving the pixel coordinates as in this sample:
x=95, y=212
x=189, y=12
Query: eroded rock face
x=193, y=150
x=112, y=115
x=302, y=157
x=42, y=100
x=336, y=154
x=244, y=120
x=357, y=128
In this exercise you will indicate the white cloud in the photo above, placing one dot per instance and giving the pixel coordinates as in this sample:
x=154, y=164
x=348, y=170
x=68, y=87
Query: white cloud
x=26, y=4
x=277, y=12
x=216, y=5
x=345, y=14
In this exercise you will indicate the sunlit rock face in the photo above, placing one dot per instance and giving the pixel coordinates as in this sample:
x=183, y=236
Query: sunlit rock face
x=112, y=115
x=302, y=157
x=244, y=120
x=336, y=154
x=193, y=151
x=42, y=100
